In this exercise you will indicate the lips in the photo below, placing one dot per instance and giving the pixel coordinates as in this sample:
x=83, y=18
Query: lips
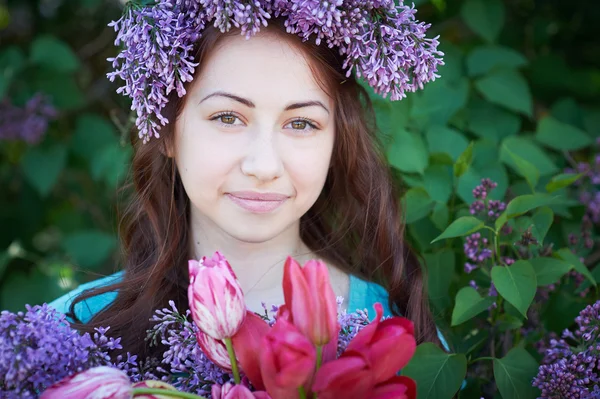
x=255, y=202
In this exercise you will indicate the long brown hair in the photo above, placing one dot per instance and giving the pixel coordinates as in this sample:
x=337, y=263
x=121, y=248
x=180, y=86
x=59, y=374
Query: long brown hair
x=356, y=222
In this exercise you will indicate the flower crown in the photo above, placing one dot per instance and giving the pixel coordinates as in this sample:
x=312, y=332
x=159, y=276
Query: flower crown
x=382, y=43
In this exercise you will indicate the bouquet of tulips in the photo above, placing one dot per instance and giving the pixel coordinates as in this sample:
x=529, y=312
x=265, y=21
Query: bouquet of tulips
x=297, y=354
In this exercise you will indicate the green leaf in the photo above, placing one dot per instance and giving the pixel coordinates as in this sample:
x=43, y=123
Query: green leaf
x=507, y=88
x=63, y=89
x=529, y=150
x=12, y=61
x=437, y=180
x=514, y=374
x=22, y=288
x=110, y=164
x=440, y=216
x=562, y=181
x=42, y=166
x=484, y=17
x=516, y=283
x=542, y=220
x=51, y=52
x=568, y=256
x=92, y=134
x=472, y=178
x=438, y=374
x=526, y=169
x=491, y=121
x=525, y=203
x=438, y=102
x=442, y=139
x=483, y=59
x=440, y=271
x=4, y=261
x=461, y=227
x=560, y=136
x=549, y=270
x=464, y=161
x=408, y=152
x=89, y=248
x=469, y=304
x=417, y=204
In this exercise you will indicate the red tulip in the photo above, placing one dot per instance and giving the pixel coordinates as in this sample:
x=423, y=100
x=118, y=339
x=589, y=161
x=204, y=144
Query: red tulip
x=287, y=360
x=247, y=344
x=229, y=391
x=311, y=300
x=215, y=297
x=397, y=387
x=347, y=377
x=96, y=383
x=387, y=344
x=215, y=350
x=154, y=384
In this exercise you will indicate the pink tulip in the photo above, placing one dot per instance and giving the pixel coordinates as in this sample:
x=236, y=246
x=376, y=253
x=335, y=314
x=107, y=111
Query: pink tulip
x=96, y=383
x=287, y=360
x=247, y=344
x=348, y=377
x=397, y=387
x=388, y=344
x=154, y=384
x=215, y=296
x=230, y=391
x=214, y=349
x=311, y=300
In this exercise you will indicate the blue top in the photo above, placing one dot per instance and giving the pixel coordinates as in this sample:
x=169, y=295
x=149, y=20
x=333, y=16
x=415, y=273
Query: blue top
x=362, y=295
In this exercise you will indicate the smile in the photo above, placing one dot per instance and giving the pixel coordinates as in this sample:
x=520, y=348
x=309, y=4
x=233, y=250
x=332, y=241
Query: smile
x=257, y=202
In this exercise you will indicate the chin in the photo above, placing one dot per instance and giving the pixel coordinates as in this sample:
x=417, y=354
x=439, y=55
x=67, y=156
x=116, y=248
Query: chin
x=253, y=233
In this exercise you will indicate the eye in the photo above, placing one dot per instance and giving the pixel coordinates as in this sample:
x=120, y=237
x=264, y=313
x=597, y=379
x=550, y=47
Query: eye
x=302, y=125
x=227, y=119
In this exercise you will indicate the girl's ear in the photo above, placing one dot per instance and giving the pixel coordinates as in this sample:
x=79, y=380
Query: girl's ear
x=167, y=149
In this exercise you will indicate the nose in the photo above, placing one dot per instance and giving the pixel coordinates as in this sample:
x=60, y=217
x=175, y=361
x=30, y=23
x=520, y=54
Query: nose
x=263, y=160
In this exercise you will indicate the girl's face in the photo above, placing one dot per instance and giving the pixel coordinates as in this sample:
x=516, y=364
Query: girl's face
x=253, y=143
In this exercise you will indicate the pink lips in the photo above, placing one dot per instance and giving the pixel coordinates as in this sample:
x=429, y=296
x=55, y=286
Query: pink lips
x=257, y=202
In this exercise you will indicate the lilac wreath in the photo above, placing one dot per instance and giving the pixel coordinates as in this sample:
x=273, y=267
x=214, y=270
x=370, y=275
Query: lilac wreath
x=382, y=44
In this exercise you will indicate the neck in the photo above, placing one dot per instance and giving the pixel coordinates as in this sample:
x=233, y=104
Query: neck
x=258, y=265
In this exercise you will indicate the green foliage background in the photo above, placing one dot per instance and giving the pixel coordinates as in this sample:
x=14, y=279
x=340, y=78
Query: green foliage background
x=518, y=102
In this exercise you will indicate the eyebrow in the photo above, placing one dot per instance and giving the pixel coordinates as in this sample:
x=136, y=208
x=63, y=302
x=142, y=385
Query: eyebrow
x=250, y=104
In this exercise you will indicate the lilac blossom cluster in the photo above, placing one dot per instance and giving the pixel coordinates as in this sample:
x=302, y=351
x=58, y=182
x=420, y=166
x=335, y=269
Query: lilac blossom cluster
x=571, y=365
x=29, y=123
x=183, y=364
x=482, y=205
x=382, y=43
x=39, y=348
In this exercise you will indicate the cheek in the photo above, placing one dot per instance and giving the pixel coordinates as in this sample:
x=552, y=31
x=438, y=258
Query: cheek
x=308, y=169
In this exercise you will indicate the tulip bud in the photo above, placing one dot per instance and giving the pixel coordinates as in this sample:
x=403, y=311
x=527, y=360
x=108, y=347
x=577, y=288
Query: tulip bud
x=154, y=384
x=230, y=391
x=311, y=300
x=388, y=344
x=215, y=297
x=96, y=383
x=215, y=350
x=287, y=360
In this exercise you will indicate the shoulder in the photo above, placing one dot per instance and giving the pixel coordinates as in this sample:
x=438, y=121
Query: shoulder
x=85, y=310
x=364, y=294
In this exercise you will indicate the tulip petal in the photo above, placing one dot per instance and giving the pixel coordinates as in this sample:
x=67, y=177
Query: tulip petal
x=214, y=349
x=397, y=387
x=154, y=384
x=101, y=382
x=247, y=344
x=347, y=377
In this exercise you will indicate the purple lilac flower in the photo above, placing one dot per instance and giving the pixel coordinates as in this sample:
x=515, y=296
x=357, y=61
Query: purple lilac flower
x=383, y=43
x=29, y=123
x=39, y=348
x=491, y=208
x=477, y=250
x=571, y=364
x=192, y=370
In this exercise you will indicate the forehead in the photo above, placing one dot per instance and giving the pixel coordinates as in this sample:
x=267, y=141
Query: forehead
x=265, y=68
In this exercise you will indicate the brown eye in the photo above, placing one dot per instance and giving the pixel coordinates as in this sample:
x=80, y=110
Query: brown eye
x=227, y=119
x=299, y=125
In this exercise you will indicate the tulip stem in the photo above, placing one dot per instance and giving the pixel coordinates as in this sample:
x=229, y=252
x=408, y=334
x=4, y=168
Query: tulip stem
x=165, y=392
x=234, y=366
x=319, y=356
x=302, y=392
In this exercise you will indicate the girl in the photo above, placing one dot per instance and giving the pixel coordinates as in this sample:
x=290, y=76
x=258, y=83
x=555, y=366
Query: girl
x=271, y=152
